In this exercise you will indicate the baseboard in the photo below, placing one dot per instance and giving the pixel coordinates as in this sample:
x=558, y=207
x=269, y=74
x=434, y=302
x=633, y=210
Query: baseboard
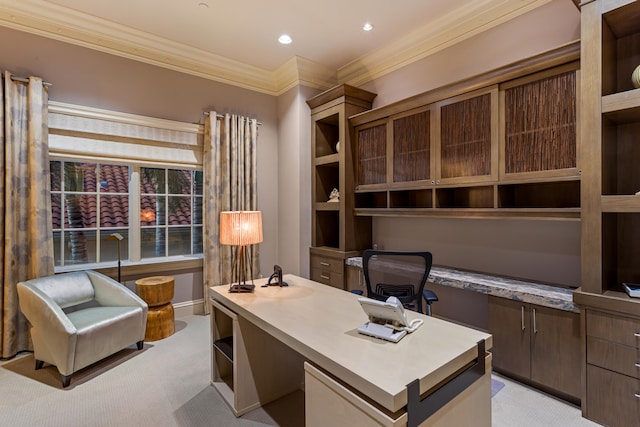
x=188, y=308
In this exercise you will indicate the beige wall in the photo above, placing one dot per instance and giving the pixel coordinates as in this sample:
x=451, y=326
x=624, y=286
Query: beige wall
x=542, y=250
x=91, y=78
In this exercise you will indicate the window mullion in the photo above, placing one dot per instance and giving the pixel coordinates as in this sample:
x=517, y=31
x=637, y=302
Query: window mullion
x=134, y=215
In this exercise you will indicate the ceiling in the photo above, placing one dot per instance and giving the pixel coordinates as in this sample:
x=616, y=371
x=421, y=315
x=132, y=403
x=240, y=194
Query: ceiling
x=235, y=41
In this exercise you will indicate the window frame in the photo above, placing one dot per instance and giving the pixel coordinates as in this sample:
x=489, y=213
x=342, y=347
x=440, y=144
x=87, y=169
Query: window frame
x=135, y=264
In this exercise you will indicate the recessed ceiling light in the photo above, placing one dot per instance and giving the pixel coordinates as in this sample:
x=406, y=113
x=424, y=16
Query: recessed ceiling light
x=367, y=27
x=285, y=39
x=203, y=5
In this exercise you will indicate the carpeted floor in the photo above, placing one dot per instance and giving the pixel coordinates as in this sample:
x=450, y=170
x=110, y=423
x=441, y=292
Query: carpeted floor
x=168, y=384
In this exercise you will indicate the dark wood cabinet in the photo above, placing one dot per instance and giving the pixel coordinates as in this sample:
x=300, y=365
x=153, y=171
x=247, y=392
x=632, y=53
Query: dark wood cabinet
x=498, y=145
x=336, y=233
x=537, y=344
x=609, y=118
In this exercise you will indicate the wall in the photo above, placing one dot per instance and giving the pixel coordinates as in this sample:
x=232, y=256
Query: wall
x=541, y=250
x=91, y=78
x=294, y=180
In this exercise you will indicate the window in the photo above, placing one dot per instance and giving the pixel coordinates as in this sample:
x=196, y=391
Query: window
x=92, y=201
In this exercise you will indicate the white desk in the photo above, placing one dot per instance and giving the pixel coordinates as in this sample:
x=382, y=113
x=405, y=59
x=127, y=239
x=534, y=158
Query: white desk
x=275, y=330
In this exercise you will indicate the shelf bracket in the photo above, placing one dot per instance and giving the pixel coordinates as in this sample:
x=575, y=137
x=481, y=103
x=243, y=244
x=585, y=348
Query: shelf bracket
x=419, y=410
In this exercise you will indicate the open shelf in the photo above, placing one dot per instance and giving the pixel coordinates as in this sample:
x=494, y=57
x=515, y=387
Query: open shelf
x=374, y=199
x=620, y=249
x=419, y=198
x=620, y=157
x=465, y=197
x=326, y=231
x=225, y=346
x=327, y=135
x=556, y=194
x=620, y=47
x=327, y=178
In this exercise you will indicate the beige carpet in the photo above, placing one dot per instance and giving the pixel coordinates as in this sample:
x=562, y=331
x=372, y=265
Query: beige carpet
x=168, y=384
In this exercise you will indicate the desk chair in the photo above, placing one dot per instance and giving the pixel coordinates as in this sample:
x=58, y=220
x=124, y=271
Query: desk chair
x=399, y=274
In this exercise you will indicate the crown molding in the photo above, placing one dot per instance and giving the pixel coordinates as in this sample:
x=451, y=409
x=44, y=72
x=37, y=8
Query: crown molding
x=458, y=25
x=56, y=22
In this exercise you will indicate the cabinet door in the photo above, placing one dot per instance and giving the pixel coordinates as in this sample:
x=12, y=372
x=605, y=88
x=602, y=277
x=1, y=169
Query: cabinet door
x=371, y=145
x=509, y=324
x=555, y=349
x=539, y=125
x=468, y=145
x=355, y=280
x=412, y=147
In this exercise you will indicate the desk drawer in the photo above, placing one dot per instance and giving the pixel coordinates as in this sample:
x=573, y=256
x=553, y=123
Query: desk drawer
x=615, y=357
x=334, y=265
x=612, y=399
x=622, y=330
x=327, y=277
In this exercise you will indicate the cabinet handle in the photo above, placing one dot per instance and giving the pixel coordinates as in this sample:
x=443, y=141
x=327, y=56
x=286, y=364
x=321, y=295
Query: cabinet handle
x=432, y=182
x=522, y=319
x=324, y=264
x=535, y=327
x=637, y=395
x=637, y=335
x=437, y=181
x=637, y=365
x=359, y=278
x=322, y=276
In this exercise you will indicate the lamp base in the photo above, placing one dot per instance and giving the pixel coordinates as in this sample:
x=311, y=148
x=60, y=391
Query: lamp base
x=240, y=288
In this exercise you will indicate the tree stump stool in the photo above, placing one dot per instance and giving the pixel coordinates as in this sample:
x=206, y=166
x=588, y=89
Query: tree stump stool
x=157, y=292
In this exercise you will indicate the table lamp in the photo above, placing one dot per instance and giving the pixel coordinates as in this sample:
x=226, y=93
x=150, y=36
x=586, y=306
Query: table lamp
x=240, y=228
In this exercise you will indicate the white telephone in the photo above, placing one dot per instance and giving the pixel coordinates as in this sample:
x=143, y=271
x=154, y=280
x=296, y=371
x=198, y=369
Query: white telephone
x=387, y=319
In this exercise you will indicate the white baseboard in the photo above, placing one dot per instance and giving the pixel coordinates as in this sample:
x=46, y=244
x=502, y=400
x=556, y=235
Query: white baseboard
x=188, y=308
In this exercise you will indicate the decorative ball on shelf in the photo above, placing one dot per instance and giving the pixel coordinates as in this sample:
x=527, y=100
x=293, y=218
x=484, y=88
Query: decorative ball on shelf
x=635, y=77
x=338, y=147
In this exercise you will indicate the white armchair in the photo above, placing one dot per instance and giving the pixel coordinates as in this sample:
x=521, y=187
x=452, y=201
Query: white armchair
x=108, y=318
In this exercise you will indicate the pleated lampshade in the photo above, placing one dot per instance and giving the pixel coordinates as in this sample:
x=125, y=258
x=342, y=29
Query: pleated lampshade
x=240, y=228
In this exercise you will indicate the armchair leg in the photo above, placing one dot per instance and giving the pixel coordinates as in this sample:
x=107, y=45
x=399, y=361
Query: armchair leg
x=39, y=364
x=140, y=345
x=66, y=380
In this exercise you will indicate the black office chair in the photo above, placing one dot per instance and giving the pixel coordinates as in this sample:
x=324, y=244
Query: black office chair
x=400, y=274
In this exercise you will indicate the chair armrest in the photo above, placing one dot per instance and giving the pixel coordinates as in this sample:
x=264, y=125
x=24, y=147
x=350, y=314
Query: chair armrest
x=42, y=312
x=108, y=292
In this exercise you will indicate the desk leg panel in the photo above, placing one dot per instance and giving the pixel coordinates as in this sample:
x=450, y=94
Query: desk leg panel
x=329, y=402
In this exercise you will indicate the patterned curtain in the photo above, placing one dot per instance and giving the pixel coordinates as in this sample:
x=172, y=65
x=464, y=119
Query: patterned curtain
x=230, y=184
x=25, y=204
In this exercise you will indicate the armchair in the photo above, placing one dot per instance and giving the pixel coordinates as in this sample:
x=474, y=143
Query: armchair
x=79, y=318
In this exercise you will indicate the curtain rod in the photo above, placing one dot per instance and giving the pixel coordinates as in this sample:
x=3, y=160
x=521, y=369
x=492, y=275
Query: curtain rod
x=25, y=80
x=221, y=116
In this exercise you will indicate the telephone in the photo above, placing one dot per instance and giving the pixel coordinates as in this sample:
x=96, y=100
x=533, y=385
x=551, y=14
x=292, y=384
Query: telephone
x=277, y=276
x=387, y=319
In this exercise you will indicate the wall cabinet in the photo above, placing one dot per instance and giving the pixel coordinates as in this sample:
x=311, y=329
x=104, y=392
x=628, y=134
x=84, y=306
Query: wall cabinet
x=507, y=149
x=609, y=128
x=336, y=233
x=537, y=344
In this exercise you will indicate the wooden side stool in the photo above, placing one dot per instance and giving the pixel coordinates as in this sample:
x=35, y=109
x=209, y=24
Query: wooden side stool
x=157, y=292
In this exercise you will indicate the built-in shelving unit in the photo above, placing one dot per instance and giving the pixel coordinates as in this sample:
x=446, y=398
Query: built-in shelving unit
x=498, y=145
x=609, y=128
x=336, y=233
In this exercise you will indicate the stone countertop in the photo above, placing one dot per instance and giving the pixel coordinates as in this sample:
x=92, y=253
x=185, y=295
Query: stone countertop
x=535, y=293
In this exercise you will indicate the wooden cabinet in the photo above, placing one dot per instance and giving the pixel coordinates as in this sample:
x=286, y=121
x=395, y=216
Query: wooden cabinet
x=537, y=344
x=609, y=127
x=509, y=148
x=613, y=369
x=355, y=280
x=336, y=233
x=467, y=149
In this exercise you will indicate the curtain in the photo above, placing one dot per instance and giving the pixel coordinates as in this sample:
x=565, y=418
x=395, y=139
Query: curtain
x=25, y=203
x=230, y=184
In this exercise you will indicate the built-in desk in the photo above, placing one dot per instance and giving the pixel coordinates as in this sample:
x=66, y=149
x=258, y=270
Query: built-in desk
x=262, y=340
x=519, y=290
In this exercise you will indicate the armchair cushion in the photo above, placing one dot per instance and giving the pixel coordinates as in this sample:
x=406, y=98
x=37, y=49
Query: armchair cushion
x=71, y=341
